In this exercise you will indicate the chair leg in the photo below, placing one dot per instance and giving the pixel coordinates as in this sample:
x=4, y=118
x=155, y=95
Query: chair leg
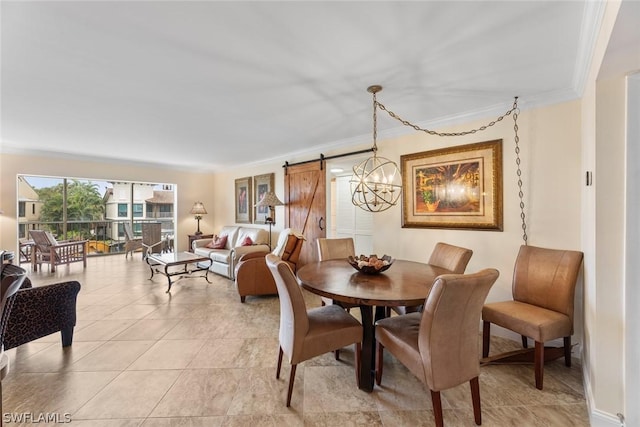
x=67, y=336
x=280, y=352
x=525, y=343
x=292, y=377
x=358, y=356
x=567, y=351
x=437, y=408
x=475, y=398
x=486, y=338
x=242, y=299
x=379, y=363
x=337, y=353
x=539, y=364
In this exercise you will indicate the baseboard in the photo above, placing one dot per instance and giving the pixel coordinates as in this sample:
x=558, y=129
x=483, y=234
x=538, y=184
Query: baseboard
x=597, y=418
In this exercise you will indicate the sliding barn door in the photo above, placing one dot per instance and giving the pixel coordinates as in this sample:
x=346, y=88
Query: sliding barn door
x=305, y=205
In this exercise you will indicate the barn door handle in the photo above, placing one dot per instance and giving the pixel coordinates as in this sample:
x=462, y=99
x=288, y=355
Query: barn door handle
x=320, y=221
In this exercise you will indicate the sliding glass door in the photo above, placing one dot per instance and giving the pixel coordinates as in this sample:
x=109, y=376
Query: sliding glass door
x=94, y=210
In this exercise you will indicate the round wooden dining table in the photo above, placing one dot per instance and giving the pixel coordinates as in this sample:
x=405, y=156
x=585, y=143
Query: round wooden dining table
x=404, y=283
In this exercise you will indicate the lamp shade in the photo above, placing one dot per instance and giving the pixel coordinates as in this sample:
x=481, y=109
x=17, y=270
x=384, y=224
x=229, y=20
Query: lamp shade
x=198, y=209
x=270, y=199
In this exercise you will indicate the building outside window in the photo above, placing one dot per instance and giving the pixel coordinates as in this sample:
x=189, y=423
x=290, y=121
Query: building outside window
x=21, y=209
x=122, y=210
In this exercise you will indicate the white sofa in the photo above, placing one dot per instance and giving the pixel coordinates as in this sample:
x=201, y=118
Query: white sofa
x=224, y=261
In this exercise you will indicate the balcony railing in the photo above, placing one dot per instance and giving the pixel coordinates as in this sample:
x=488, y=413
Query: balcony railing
x=105, y=236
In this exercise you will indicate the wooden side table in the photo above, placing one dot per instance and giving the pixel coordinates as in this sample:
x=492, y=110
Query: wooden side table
x=193, y=237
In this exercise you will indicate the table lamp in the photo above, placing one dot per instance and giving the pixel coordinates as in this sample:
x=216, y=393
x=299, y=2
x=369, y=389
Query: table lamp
x=198, y=210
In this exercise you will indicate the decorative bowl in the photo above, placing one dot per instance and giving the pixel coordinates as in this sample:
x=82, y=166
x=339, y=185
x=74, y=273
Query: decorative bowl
x=371, y=264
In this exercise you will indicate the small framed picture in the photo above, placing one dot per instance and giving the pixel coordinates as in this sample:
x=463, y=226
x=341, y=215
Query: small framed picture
x=243, y=200
x=262, y=184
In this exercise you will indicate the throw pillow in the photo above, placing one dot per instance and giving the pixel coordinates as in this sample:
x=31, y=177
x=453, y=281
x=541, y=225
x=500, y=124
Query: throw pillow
x=212, y=242
x=218, y=242
x=247, y=241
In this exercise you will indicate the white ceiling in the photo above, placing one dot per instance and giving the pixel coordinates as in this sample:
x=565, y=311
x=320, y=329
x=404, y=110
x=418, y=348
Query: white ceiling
x=210, y=85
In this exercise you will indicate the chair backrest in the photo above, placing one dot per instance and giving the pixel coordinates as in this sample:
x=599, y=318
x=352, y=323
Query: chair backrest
x=452, y=258
x=128, y=232
x=289, y=245
x=11, y=279
x=546, y=278
x=449, y=326
x=335, y=248
x=294, y=323
x=41, y=239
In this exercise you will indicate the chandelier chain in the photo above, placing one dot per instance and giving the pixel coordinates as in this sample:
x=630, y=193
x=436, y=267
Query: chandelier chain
x=433, y=132
x=375, y=125
x=516, y=111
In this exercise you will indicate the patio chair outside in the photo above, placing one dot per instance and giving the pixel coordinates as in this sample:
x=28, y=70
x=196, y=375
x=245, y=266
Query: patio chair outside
x=131, y=243
x=49, y=251
x=151, y=239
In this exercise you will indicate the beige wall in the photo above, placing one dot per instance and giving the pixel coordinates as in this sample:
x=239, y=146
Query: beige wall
x=552, y=178
x=609, y=268
x=190, y=188
x=550, y=156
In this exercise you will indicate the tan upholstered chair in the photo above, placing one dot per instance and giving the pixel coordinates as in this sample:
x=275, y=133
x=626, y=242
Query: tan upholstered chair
x=543, y=287
x=450, y=257
x=306, y=334
x=440, y=344
x=131, y=243
x=335, y=249
x=252, y=274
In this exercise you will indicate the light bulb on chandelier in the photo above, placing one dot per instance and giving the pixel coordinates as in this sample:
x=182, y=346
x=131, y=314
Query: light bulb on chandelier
x=376, y=182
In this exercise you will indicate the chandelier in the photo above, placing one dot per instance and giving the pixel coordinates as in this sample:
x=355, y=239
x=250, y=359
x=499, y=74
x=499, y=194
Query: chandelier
x=376, y=182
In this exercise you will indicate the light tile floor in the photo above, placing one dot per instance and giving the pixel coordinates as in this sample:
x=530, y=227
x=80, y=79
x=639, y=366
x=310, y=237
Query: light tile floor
x=198, y=357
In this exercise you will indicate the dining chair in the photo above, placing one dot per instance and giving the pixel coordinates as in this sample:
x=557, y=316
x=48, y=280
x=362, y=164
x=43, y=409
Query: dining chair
x=444, y=255
x=440, y=344
x=10, y=282
x=543, y=289
x=341, y=248
x=307, y=334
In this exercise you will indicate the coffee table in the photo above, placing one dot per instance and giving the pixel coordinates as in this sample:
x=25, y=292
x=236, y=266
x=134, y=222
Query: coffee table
x=162, y=263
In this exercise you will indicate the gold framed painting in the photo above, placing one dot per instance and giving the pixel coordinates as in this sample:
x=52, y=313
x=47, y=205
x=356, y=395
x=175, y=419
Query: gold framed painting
x=243, y=200
x=262, y=184
x=457, y=187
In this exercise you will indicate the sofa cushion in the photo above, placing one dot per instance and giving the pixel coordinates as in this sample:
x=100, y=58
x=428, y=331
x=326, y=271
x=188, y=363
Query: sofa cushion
x=220, y=255
x=257, y=235
x=232, y=235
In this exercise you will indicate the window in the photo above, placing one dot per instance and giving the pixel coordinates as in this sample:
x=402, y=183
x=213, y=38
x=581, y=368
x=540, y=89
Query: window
x=93, y=209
